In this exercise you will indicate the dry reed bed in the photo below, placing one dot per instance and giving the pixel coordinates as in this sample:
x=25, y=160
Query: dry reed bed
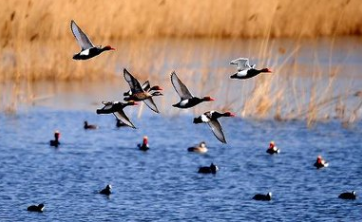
x=43, y=19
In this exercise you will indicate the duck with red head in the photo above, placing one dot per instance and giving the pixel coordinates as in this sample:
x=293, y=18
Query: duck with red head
x=187, y=100
x=320, y=162
x=55, y=142
x=245, y=70
x=144, y=146
x=88, y=50
x=273, y=149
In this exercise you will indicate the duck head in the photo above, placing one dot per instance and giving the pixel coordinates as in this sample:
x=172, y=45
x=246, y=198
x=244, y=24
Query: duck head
x=108, y=47
x=266, y=70
x=271, y=144
x=229, y=114
x=56, y=135
x=208, y=98
x=41, y=207
x=145, y=140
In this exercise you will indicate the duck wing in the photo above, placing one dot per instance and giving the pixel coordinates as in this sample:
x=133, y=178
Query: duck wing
x=80, y=36
x=242, y=63
x=217, y=130
x=180, y=88
x=132, y=82
x=121, y=116
x=146, y=86
x=107, y=105
x=151, y=104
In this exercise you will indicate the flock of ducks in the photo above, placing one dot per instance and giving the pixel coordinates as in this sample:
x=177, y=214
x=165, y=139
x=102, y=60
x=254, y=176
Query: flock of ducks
x=146, y=92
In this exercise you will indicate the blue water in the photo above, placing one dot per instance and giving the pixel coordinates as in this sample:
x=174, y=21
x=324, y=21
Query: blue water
x=163, y=184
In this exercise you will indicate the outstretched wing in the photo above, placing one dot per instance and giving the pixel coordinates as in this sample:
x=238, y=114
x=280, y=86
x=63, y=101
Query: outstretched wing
x=80, y=36
x=120, y=115
x=180, y=88
x=217, y=130
x=146, y=86
x=149, y=102
x=242, y=63
x=132, y=82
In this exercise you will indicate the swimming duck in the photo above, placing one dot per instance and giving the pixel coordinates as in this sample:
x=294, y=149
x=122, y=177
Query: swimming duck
x=187, y=100
x=144, y=146
x=272, y=148
x=245, y=71
x=209, y=169
x=210, y=118
x=348, y=195
x=55, y=142
x=107, y=190
x=320, y=162
x=138, y=94
x=201, y=148
x=36, y=208
x=88, y=50
x=116, y=108
x=263, y=197
x=89, y=126
x=146, y=87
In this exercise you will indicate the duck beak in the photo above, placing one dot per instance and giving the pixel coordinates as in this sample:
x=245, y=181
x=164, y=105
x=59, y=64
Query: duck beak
x=112, y=48
x=232, y=114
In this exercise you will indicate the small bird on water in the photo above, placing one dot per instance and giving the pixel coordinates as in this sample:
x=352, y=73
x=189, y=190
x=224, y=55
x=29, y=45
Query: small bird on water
x=36, y=208
x=55, y=142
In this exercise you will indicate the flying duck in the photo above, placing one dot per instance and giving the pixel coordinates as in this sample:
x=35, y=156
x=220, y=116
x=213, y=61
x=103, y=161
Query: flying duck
x=348, y=195
x=272, y=148
x=187, y=99
x=35, y=208
x=107, y=190
x=210, y=118
x=88, y=50
x=209, y=169
x=144, y=146
x=320, y=163
x=263, y=197
x=138, y=93
x=245, y=71
x=201, y=148
x=89, y=126
x=55, y=142
x=146, y=87
x=116, y=108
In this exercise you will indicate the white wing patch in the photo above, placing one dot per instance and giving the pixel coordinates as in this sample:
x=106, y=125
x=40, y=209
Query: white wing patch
x=85, y=52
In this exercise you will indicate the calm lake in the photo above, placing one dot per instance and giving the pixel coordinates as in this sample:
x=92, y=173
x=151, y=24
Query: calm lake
x=162, y=184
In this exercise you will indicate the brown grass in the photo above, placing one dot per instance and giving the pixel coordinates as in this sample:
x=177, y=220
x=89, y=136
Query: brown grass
x=43, y=19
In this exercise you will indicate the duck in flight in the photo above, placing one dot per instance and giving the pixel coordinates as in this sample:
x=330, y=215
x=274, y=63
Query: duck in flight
x=146, y=87
x=210, y=118
x=187, y=99
x=116, y=108
x=245, y=70
x=138, y=93
x=88, y=50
